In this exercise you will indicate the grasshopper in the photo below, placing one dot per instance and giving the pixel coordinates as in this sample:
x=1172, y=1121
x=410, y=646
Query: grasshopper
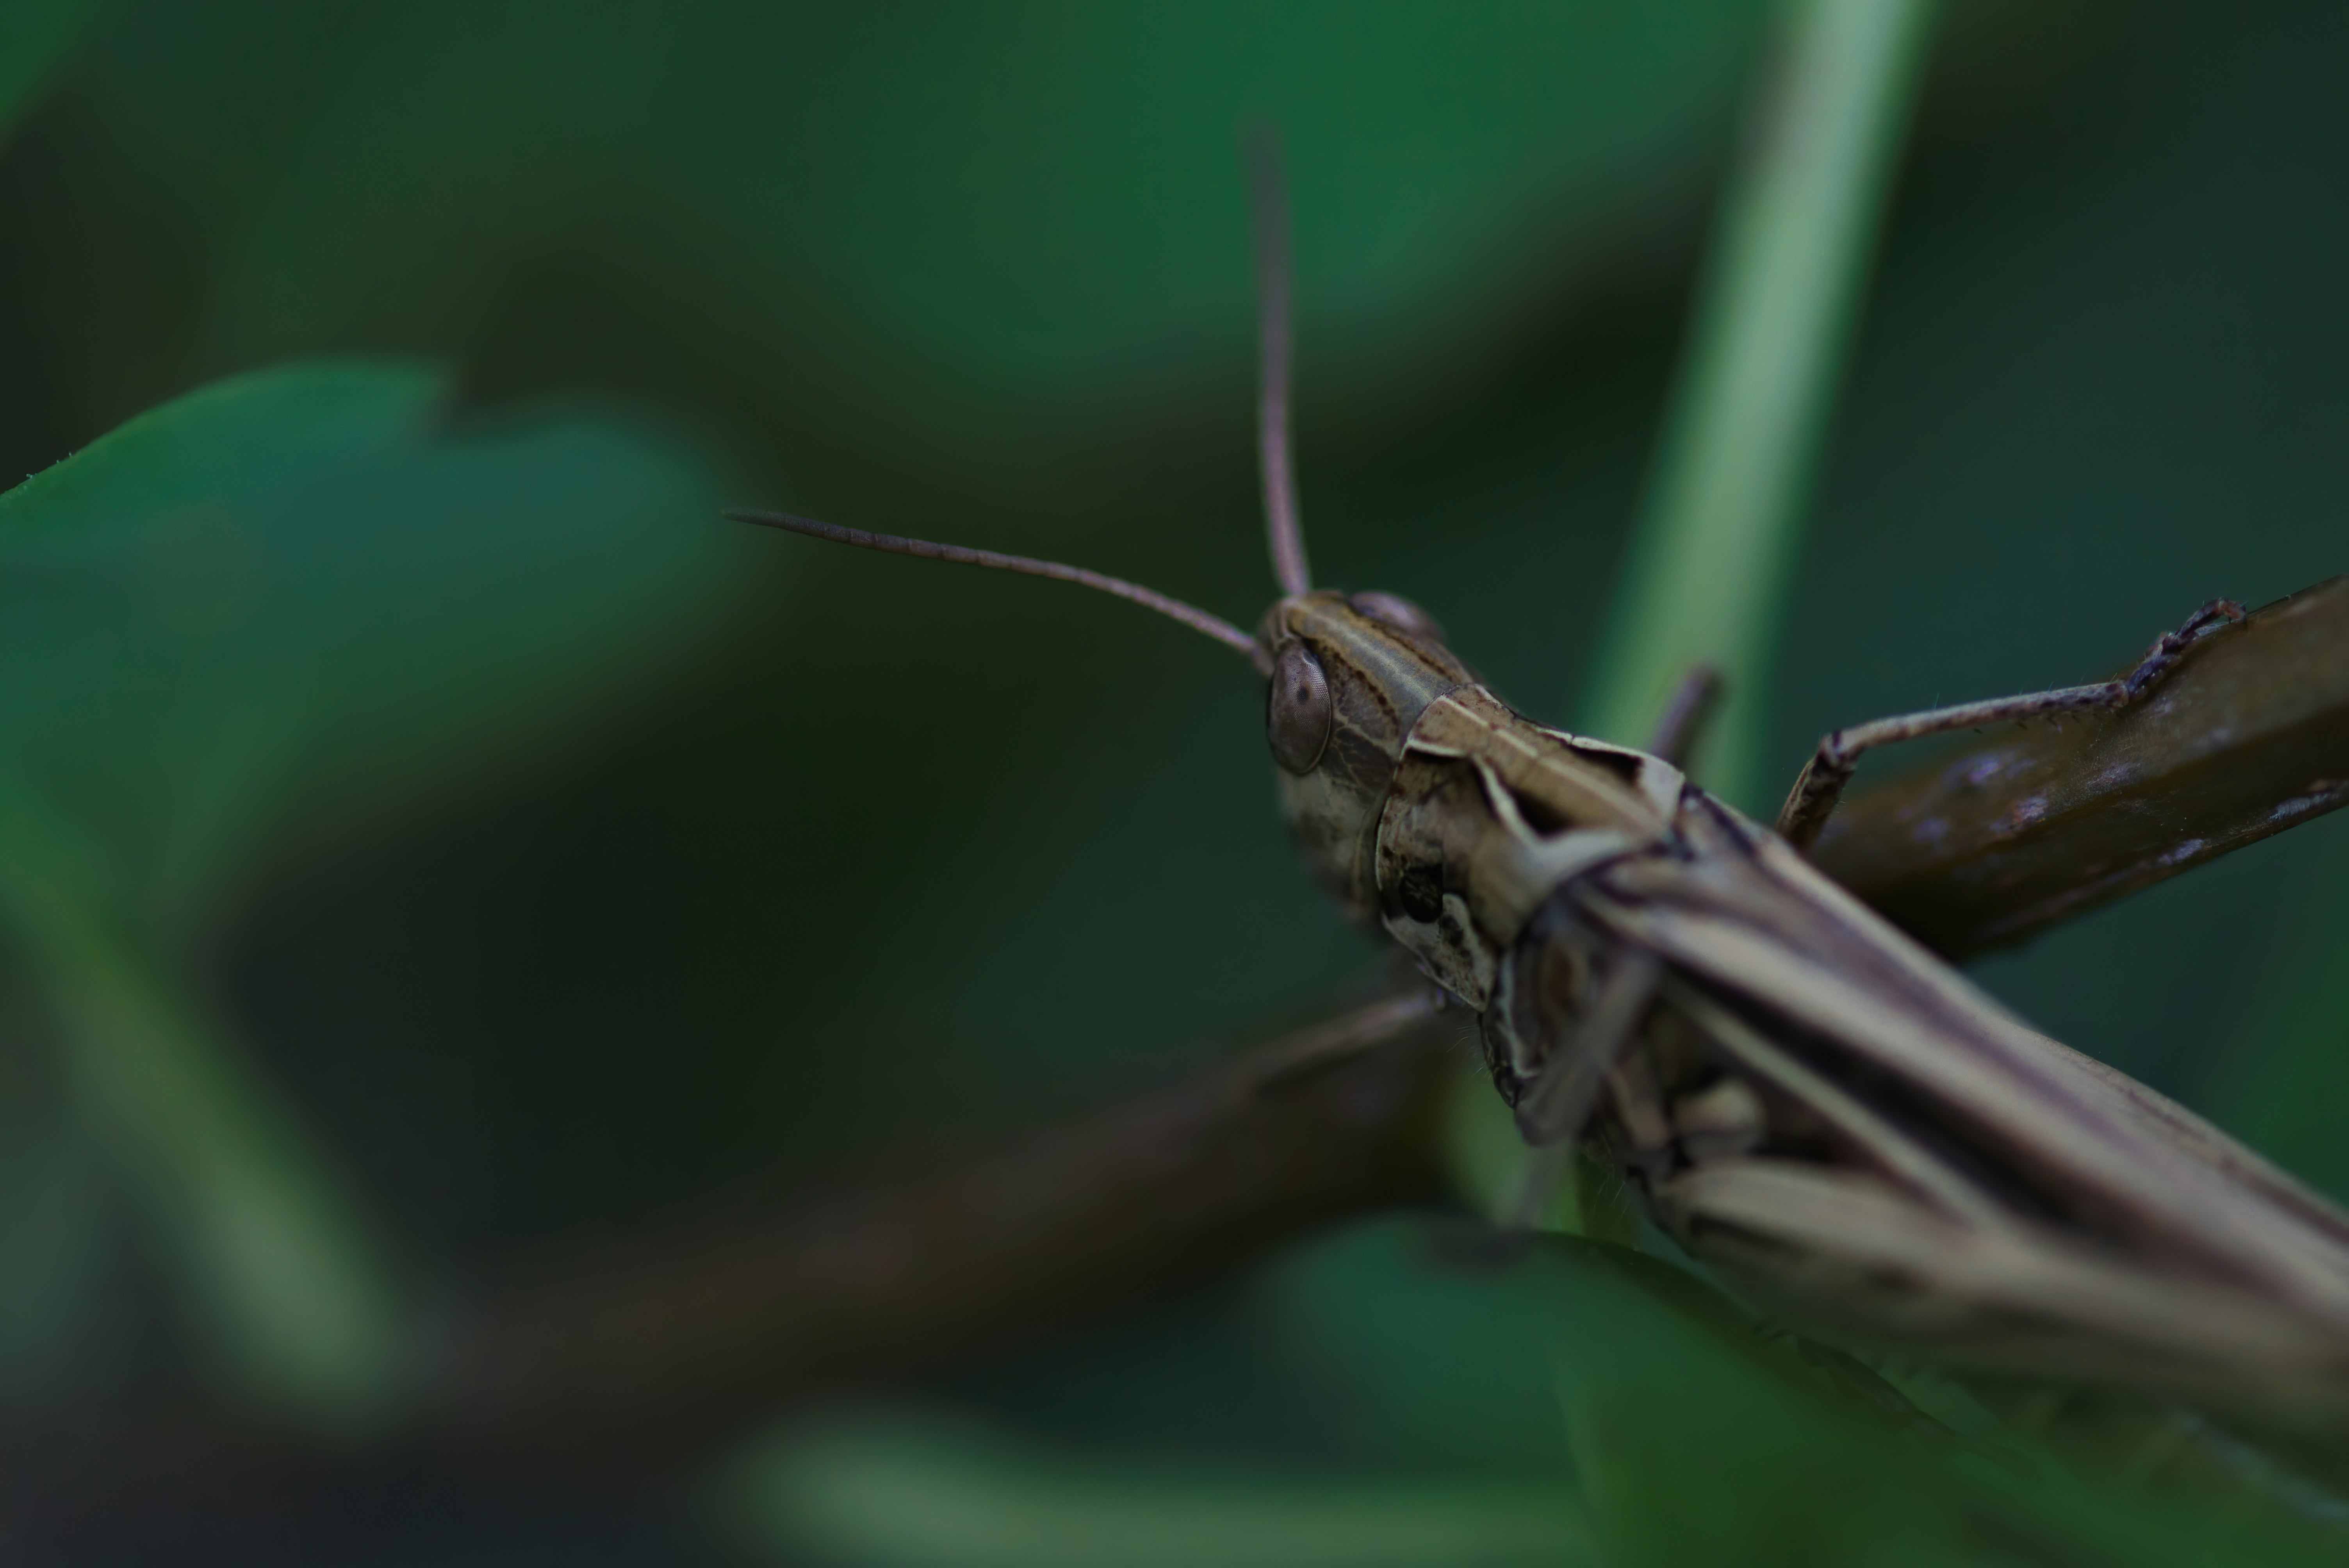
x=1814, y=1108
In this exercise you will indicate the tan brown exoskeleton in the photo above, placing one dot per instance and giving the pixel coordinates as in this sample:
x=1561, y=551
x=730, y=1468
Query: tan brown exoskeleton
x=1809, y=1103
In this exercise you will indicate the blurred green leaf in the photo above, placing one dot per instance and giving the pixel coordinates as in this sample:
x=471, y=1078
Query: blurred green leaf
x=1693, y=1453
x=2279, y=1071
x=292, y=595
x=909, y=1494
x=1692, y=1442
x=1432, y=1353
x=36, y=37
x=294, y=585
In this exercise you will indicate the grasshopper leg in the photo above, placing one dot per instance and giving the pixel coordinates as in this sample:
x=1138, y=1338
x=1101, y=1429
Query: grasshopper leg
x=1821, y=785
x=1685, y=717
x=1569, y=1088
x=1338, y=1040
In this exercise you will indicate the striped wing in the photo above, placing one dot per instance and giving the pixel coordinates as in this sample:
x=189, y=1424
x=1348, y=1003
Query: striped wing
x=1916, y=1168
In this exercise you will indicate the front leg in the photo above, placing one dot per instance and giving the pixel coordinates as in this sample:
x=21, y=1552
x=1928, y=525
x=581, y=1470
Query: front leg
x=1339, y=1041
x=1686, y=716
x=1571, y=1081
x=1814, y=794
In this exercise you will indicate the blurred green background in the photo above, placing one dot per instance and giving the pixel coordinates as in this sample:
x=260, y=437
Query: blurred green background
x=388, y=716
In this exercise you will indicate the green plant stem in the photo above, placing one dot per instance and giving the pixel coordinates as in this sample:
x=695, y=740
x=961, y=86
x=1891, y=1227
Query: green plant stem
x=283, y=1288
x=1709, y=563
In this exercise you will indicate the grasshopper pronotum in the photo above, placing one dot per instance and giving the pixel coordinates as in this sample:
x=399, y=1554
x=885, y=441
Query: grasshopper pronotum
x=1801, y=1096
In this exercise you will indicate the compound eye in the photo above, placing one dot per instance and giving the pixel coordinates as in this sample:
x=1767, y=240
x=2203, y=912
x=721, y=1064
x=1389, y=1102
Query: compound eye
x=1298, y=711
x=1397, y=611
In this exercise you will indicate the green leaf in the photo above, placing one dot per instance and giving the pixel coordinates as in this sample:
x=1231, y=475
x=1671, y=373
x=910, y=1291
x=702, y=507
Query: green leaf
x=258, y=606
x=36, y=37
x=1435, y=1353
x=1692, y=1452
x=287, y=598
x=1692, y=1440
x=2280, y=1069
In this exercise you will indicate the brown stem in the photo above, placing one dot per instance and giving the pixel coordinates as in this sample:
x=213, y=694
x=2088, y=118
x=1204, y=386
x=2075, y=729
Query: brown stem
x=645, y=1343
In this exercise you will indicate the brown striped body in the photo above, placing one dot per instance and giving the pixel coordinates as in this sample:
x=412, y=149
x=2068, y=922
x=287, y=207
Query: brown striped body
x=1845, y=1127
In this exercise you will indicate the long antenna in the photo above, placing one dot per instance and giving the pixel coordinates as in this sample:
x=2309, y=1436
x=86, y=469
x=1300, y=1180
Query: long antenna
x=1282, y=529
x=1198, y=620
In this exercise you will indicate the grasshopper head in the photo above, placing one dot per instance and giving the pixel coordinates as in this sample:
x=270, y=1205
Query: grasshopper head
x=1350, y=677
